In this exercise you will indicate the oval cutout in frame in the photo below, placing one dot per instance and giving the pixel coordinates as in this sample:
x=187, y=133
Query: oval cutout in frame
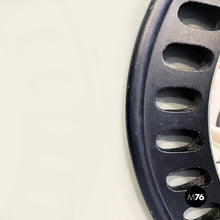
x=187, y=57
x=178, y=99
x=200, y=16
x=183, y=179
x=179, y=141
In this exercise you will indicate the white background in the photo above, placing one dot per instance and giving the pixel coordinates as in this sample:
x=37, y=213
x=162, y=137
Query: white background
x=63, y=72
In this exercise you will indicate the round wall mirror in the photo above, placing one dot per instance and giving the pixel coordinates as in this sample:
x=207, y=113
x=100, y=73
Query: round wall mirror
x=173, y=106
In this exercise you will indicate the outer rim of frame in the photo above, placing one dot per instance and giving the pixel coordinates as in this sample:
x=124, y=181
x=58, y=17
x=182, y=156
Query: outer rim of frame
x=137, y=73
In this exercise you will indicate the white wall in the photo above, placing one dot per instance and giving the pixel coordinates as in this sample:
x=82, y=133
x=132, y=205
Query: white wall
x=63, y=148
